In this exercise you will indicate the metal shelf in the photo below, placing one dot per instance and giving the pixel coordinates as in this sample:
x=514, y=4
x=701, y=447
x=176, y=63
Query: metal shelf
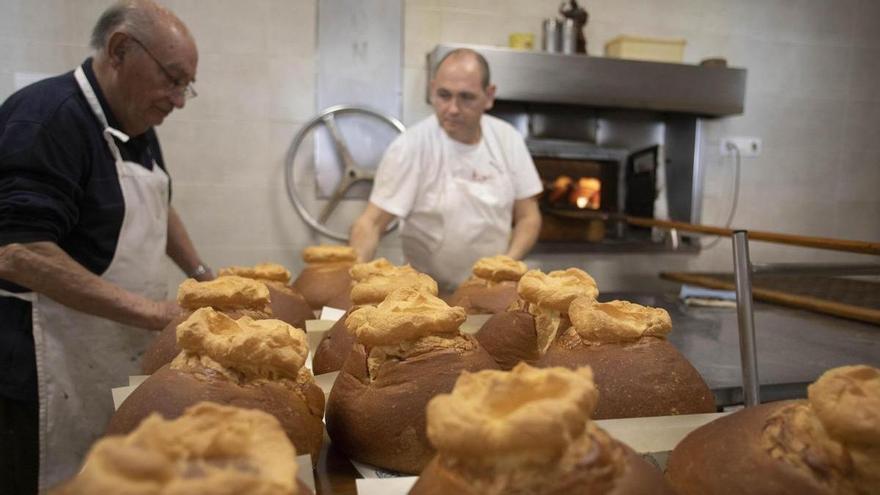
x=539, y=77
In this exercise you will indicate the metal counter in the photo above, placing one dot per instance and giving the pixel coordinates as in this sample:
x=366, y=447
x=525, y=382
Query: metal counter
x=794, y=346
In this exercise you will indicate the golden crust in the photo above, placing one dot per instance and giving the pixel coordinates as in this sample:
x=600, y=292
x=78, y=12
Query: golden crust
x=263, y=271
x=557, y=289
x=499, y=268
x=360, y=271
x=255, y=348
x=833, y=438
x=847, y=401
x=617, y=321
x=528, y=413
x=224, y=293
x=209, y=449
x=375, y=287
x=406, y=314
x=329, y=254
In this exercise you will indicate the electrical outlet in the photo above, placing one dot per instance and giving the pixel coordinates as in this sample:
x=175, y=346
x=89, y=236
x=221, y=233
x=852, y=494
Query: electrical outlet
x=748, y=146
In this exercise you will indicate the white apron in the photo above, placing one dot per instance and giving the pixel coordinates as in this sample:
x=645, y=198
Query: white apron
x=472, y=220
x=81, y=357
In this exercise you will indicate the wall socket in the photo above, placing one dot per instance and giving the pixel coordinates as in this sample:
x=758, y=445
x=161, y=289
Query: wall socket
x=748, y=146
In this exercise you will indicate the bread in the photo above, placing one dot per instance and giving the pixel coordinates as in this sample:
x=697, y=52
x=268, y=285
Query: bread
x=256, y=364
x=492, y=288
x=637, y=371
x=827, y=444
x=208, y=449
x=232, y=295
x=545, y=297
x=510, y=338
x=371, y=283
x=325, y=280
x=409, y=350
x=286, y=303
x=528, y=431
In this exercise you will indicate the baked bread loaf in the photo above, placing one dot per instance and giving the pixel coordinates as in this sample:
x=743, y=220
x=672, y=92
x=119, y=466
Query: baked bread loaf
x=235, y=296
x=492, y=287
x=286, y=303
x=408, y=350
x=325, y=280
x=371, y=284
x=827, y=444
x=531, y=323
x=528, y=431
x=255, y=364
x=638, y=372
x=209, y=449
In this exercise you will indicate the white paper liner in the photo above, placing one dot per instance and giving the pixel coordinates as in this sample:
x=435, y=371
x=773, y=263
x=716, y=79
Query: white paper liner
x=474, y=323
x=388, y=486
x=372, y=472
x=305, y=473
x=333, y=314
x=654, y=438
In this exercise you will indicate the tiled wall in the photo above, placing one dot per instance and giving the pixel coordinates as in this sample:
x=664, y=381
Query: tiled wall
x=812, y=96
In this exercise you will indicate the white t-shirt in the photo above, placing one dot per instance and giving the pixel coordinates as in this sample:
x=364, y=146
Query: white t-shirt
x=423, y=168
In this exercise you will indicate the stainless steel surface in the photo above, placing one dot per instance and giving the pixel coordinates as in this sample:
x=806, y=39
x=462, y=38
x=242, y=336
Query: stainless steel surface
x=745, y=318
x=359, y=62
x=607, y=82
x=684, y=186
x=550, y=36
x=568, y=37
x=794, y=347
x=352, y=172
x=834, y=269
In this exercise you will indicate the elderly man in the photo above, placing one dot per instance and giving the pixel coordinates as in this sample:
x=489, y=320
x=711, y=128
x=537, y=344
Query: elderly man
x=85, y=226
x=463, y=182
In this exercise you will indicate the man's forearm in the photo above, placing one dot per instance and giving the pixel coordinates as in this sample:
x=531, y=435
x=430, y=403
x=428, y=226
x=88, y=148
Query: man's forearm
x=45, y=268
x=364, y=239
x=181, y=249
x=523, y=238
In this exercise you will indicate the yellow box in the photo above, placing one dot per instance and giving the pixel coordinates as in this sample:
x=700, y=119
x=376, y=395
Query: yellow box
x=642, y=48
x=521, y=41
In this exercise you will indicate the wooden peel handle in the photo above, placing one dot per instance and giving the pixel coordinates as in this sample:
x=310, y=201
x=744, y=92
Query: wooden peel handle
x=861, y=247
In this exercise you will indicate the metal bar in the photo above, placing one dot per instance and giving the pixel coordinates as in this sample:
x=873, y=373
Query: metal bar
x=746, y=318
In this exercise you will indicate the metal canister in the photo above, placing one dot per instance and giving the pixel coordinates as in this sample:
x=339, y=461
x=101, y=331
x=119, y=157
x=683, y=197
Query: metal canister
x=569, y=36
x=551, y=36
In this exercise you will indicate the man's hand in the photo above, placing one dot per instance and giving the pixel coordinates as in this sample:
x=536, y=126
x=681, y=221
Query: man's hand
x=166, y=311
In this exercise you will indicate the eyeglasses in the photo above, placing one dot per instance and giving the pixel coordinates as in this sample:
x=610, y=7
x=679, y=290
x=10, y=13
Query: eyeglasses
x=177, y=86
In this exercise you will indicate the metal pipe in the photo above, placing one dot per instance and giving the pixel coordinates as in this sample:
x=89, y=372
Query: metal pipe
x=745, y=317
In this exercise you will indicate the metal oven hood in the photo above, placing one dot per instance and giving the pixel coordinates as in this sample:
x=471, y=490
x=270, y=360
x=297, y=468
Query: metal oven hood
x=539, y=77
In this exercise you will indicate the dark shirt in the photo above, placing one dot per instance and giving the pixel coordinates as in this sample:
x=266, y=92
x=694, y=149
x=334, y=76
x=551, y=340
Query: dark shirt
x=58, y=183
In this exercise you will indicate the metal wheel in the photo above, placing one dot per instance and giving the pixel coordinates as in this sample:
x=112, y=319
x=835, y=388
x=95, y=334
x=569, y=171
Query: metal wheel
x=351, y=171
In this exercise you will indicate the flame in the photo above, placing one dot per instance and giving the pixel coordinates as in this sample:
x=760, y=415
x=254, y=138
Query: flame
x=587, y=193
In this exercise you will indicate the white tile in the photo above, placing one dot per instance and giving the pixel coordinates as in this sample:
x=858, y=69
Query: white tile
x=857, y=220
x=291, y=27
x=821, y=72
x=865, y=32
x=861, y=126
x=422, y=29
x=865, y=74
x=415, y=105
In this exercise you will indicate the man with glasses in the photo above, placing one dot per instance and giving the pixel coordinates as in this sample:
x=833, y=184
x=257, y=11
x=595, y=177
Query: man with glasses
x=463, y=182
x=85, y=224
